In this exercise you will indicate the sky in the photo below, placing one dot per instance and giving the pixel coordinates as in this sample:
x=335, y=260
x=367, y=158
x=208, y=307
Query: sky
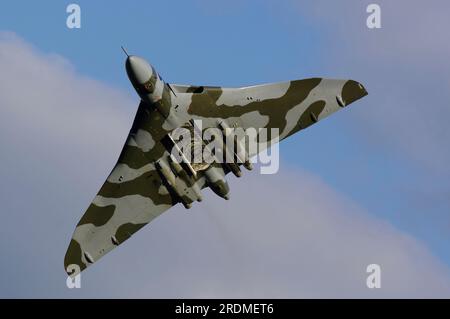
x=368, y=185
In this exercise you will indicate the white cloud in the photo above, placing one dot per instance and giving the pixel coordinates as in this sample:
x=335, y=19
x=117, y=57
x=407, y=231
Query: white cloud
x=288, y=235
x=404, y=66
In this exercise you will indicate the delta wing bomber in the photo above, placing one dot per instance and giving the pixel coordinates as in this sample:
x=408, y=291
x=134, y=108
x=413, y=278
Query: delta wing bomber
x=154, y=173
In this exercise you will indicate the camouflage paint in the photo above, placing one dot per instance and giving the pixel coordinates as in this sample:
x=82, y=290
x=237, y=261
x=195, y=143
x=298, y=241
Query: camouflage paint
x=135, y=192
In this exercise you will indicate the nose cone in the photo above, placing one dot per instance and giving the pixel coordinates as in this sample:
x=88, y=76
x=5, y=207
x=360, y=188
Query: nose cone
x=138, y=70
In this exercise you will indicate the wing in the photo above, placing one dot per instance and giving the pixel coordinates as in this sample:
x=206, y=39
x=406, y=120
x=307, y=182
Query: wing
x=132, y=196
x=287, y=106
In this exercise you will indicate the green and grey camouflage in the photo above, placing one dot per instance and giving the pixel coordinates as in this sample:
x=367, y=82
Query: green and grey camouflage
x=146, y=181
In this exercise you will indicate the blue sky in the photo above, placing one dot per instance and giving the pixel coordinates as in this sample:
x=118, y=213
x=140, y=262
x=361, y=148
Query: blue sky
x=387, y=153
x=178, y=37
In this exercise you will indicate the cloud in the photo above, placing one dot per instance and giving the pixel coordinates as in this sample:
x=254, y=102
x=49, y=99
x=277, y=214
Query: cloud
x=285, y=235
x=404, y=66
x=400, y=129
x=56, y=128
